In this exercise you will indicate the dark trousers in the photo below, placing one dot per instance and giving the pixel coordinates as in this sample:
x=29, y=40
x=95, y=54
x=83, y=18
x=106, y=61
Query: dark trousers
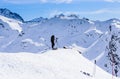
x=53, y=44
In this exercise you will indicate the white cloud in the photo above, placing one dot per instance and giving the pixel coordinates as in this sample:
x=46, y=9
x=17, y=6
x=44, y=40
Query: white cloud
x=62, y=1
x=37, y=1
x=44, y=1
x=22, y=1
x=102, y=11
x=109, y=0
x=112, y=0
x=96, y=12
x=99, y=11
x=97, y=0
x=55, y=1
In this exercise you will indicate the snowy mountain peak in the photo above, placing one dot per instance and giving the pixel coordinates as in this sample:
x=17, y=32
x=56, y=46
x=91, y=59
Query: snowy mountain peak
x=40, y=19
x=113, y=20
x=59, y=16
x=71, y=16
x=85, y=19
x=7, y=13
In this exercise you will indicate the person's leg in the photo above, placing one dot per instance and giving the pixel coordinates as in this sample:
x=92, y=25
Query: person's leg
x=52, y=45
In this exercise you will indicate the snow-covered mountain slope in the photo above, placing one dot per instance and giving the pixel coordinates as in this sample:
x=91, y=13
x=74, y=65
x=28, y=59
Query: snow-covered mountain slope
x=36, y=36
x=9, y=31
x=7, y=13
x=11, y=23
x=53, y=64
x=105, y=50
x=41, y=19
x=96, y=40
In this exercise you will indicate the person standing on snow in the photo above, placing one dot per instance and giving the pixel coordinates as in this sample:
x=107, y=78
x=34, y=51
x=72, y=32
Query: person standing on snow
x=52, y=41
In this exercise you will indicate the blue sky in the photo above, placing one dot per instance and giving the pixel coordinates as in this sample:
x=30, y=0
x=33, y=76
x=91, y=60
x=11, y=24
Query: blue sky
x=92, y=9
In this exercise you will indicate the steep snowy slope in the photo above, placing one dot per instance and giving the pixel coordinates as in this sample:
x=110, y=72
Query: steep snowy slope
x=7, y=13
x=106, y=49
x=12, y=23
x=54, y=64
x=9, y=31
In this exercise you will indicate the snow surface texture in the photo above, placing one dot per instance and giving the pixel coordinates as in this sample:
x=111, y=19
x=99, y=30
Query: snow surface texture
x=54, y=64
x=91, y=38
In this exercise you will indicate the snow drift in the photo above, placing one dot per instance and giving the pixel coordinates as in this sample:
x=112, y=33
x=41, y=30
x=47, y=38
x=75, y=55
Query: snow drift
x=53, y=64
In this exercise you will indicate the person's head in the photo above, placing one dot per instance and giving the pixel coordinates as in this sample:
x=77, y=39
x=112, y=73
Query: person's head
x=52, y=35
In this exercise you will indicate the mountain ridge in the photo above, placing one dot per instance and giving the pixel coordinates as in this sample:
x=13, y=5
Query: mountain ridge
x=7, y=13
